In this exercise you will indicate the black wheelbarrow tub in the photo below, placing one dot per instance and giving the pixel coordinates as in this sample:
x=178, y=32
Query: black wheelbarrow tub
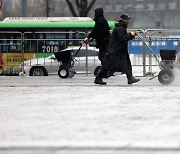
x=64, y=56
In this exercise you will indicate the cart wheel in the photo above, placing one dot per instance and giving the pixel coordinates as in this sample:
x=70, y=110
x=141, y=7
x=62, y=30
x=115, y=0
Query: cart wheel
x=63, y=72
x=97, y=69
x=166, y=76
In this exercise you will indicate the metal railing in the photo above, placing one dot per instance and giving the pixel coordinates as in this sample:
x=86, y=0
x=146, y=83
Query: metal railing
x=17, y=48
x=11, y=52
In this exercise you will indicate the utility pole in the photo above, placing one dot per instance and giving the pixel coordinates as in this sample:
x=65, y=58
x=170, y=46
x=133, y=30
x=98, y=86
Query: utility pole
x=24, y=8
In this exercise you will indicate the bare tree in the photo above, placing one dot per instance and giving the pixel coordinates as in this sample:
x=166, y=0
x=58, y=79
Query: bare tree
x=82, y=7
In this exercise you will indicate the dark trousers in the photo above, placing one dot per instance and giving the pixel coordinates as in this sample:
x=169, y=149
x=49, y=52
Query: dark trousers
x=102, y=52
x=129, y=67
x=104, y=71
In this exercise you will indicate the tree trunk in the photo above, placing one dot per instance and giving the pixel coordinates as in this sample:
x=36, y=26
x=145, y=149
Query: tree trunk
x=83, y=8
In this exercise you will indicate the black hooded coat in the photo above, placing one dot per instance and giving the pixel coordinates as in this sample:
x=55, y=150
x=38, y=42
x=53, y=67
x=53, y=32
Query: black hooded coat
x=100, y=33
x=117, y=58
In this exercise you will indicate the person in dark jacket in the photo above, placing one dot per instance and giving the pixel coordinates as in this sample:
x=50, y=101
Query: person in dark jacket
x=100, y=33
x=117, y=58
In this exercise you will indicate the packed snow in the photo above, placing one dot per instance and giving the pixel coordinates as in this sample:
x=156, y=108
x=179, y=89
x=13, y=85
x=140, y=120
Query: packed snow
x=74, y=112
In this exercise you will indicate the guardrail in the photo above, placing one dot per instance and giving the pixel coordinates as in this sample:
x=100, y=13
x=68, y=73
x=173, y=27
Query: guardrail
x=17, y=48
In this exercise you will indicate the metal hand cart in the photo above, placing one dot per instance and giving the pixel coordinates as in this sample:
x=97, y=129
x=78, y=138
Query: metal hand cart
x=166, y=75
x=67, y=60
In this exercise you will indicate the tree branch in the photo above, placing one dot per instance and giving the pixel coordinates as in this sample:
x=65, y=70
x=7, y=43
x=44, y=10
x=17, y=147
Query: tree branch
x=90, y=6
x=71, y=8
x=83, y=8
x=77, y=4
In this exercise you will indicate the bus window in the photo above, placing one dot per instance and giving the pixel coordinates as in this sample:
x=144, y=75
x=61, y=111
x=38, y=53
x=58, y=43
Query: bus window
x=10, y=42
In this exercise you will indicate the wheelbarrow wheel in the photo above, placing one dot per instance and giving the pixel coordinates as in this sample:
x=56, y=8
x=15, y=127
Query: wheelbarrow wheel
x=166, y=76
x=63, y=72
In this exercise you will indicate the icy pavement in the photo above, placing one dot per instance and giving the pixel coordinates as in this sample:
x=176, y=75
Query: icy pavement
x=68, y=116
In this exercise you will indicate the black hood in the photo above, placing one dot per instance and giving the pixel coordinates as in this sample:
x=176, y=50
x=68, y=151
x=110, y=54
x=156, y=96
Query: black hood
x=121, y=23
x=98, y=13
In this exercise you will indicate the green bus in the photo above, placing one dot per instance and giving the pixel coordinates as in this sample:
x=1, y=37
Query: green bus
x=24, y=38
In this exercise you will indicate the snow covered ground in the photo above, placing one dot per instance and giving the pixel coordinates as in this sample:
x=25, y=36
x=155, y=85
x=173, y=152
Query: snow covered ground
x=53, y=115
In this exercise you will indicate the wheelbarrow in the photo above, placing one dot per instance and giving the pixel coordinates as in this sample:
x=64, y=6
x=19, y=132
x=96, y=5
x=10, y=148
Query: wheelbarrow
x=67, y=59
x=166, y=75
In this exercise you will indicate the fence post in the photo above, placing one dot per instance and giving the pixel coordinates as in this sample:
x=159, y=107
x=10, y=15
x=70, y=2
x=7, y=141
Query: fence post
x=144, y=54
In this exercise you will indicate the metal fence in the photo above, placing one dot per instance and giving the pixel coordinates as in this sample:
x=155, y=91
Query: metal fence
x=20, y=52
x=11, y=52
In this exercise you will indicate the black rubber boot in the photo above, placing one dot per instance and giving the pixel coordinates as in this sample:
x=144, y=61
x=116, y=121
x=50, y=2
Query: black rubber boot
x=99, y=81
x=133, y=80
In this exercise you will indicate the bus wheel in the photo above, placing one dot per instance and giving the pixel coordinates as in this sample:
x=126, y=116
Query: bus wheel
x=166, y=76
x=38, y=71
x=63, y=72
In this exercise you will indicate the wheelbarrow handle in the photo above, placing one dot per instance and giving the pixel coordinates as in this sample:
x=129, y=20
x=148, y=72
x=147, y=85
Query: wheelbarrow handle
x=78, y=50
x=149, y=49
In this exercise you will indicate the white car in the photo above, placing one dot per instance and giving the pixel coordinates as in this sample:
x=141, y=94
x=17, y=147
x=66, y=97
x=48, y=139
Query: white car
x=86, y=61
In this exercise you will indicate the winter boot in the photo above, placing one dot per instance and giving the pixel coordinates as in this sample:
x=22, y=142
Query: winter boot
x=133, y=80
x=99, y=81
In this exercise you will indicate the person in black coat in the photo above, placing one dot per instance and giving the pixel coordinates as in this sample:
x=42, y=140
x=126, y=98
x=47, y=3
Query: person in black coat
x=100, y=33
x=117, y=59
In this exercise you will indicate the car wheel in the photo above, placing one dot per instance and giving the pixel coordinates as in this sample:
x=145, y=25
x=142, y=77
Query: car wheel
x=38, y=71
x=166, y=76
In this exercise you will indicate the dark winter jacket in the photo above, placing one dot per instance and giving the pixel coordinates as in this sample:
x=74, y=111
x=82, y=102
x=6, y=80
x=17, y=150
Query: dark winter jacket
x=101, y=29
x=116, y=58
x=119, y=39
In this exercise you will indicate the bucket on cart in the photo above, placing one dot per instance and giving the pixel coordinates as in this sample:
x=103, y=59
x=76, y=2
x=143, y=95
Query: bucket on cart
x=168, y=55
x=166, y=75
